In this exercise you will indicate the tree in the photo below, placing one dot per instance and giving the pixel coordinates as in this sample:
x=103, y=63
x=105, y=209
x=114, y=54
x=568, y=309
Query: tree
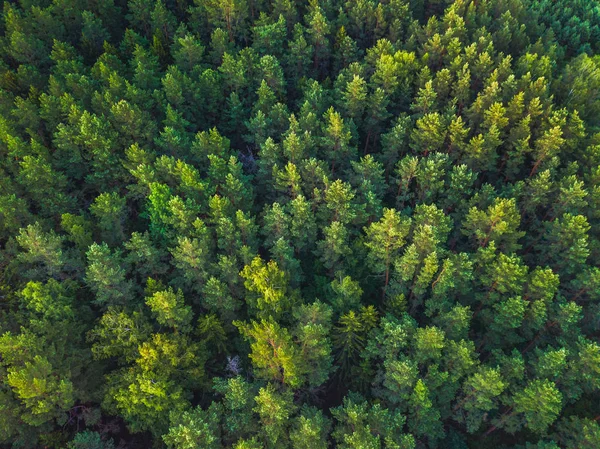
x=334, y=247
x=43, y=252
x=384, y=240
x=498, y=224
x=44, y=394
x=90, y=440
x=239, y=420
x=303, y=226
x=359, y=424
x=429, y=342
x=274, y=355
x=539, y=403
x=119, y=334
x=38, y=178
x=336, y=141
x=354, y=98
x=566, y=242
x=252, y=443
x=318, y=31
x=188, y=52
x=44, y=362
x=312, y=334
x=347, y=293
x=576, y=432
x=190, y=257
x=394, y=143
x=310, y=429
x=169, y=309
x=106, y=276
x=480, y=396
x=144, y=256
x=429, y=134
x=165, y=369
x=144, y=399
x=423, y=419
x=349, y=335
x=546, y=147
x=268, y=284
x=338, y=202
x=13, y=214
x=274, y=410
x=93, y=34
x=229, y=14
x=109, y=210
x=345, y=50
x=269, y=35
x=194, y=427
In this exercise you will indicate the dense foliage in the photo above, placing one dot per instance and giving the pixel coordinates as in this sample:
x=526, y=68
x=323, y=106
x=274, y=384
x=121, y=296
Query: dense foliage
x=285, y=224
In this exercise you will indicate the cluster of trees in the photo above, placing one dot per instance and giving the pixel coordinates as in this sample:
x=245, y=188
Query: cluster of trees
x=261, y=224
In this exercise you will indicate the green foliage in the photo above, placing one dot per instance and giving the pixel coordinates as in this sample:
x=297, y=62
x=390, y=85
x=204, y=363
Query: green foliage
x=221, y=219
x=90, y=440
x=539, y=403
x=169, y=309
x=108, y=209
x=384, y=240
x=269, y=284
x=41, y=252
x=274, y=410
x=106, y=276
x=194, y=428
x=274, y=354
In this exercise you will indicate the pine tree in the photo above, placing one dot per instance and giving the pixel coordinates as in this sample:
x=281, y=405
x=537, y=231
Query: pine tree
x=539, y=403
x=480, y=396
x=169, y=309
x=274, y=410
x=498, y=224
x=310, y=429
x=268, y=284
x=42, y=252
x=109, y=210
x=194, y=427
x=384, y=240
x=274, y=355
x=423, y=419
x=106, y=276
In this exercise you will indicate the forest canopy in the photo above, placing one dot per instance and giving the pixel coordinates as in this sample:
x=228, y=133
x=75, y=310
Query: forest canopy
x=265, y=224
